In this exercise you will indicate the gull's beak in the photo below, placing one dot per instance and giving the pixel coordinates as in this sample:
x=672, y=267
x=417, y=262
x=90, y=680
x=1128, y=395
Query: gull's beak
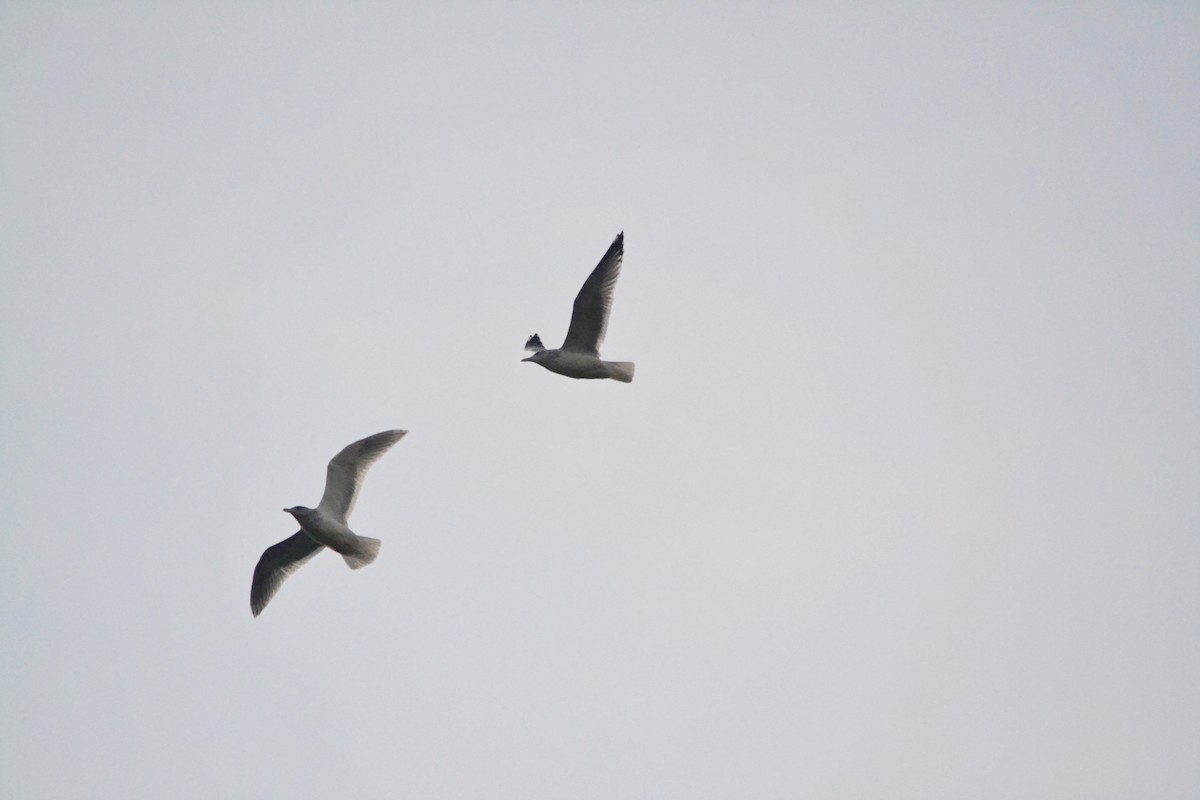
x=285, y=511
x=527, y=359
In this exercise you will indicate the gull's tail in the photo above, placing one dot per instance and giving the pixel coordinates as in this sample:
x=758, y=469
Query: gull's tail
x=620, y=370
x=364, y=554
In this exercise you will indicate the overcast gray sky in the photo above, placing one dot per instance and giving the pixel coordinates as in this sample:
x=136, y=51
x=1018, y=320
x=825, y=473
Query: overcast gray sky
x=903, y=502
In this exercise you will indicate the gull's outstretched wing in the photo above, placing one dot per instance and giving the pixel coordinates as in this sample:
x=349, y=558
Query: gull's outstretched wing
x=589, y=320
x=534, y=343
x=347, y=470
x=277, y=562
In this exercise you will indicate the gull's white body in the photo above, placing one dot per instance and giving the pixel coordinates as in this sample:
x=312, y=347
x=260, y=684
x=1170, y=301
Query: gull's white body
x=582, y=365
x=579, y=356
x=326, y=530
x=327, y=525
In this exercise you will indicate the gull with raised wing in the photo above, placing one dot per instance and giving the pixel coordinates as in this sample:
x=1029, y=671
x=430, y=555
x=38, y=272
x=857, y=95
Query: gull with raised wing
x=579, y=356
x=327, y=524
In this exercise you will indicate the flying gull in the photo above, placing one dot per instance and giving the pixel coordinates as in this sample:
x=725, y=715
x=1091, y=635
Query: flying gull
x=579, y=356
x=327, y=524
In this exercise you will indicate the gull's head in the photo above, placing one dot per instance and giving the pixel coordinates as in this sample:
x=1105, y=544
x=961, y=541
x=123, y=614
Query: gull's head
x=540, y=356
x=299, y=511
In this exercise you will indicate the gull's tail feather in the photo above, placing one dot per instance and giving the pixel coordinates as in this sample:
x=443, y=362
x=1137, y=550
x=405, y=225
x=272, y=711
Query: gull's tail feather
x=367, y=550
x=621, y=370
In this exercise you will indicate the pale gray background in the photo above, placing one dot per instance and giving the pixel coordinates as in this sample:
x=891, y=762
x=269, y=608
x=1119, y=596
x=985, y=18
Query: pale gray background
x=903, y=503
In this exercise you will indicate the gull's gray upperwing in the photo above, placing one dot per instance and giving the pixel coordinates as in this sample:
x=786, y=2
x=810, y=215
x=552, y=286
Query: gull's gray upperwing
x=277, y=563
x=347, y=469
x=589, y=319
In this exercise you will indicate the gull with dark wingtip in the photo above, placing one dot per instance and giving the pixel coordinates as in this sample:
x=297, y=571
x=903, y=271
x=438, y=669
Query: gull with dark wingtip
x=327, y=524
x=579, y=356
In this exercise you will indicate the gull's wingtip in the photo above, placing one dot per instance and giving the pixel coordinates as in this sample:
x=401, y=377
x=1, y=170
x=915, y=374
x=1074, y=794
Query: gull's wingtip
x=534, y=343
x=390, y=437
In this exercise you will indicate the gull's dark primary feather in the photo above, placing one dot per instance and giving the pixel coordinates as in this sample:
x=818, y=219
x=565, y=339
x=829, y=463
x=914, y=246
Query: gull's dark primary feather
x=534, y=343
x=589, y=319
x=277, y=563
